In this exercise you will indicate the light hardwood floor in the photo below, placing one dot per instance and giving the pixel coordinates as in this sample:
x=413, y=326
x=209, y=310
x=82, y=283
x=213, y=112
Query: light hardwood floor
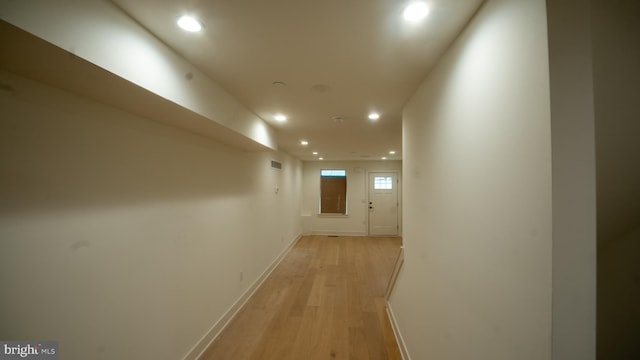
x=324, y=301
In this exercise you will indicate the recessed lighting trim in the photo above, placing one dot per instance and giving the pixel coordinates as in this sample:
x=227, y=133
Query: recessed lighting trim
x=374, y=116
x=190, y=24
x=280, y=118
x=416, y=11
x=320, y=158
x=392, y=152
x=384, y=158
x=304, y=142
x=315, y=153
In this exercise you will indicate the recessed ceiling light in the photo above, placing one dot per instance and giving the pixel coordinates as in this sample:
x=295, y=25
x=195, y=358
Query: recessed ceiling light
x=321, y=158
x=416, y=11
x=190, y=24
x=384, y=158
x=315, y=153
x=392, y=152
x=374, y=116
x=280, y=118
x=304, y=142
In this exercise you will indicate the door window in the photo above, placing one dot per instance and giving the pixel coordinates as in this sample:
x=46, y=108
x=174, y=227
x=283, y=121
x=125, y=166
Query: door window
x=383, y=183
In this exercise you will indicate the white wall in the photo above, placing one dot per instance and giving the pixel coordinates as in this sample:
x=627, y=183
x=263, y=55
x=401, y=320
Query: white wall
x=356, y=223
x=123, y=238
x=476, y=283
x=618, y=298
x=99, y=32
x=616, y=30
x=574, y=180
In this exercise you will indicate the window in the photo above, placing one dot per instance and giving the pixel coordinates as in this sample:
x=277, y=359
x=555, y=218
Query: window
x=382, y=183
x=333, y=192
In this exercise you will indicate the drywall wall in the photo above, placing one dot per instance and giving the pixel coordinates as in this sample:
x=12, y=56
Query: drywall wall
x=616, y=30
x=574, y=180
x=618, y=298
x=123, y=238
x=356, y=223
x=99, y=32
x=476, y=282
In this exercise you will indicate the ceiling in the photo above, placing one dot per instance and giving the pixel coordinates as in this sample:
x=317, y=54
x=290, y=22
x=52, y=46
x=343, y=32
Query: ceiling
x=339, y=60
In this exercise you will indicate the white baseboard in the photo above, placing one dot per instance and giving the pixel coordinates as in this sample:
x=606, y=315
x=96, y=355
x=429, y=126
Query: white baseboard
x=396, y=331
x=338, y=233
x=202, y=345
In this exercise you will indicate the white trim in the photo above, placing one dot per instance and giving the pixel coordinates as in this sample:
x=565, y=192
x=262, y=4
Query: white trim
x=330, y=215
x=201, y=346
x=395, y=274
x=396, y=331
x=338, y=233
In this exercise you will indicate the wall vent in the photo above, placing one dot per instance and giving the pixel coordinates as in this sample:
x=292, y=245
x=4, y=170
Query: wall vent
x=276, y=165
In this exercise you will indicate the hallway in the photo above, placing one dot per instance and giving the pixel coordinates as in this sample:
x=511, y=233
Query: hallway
x=324, y=301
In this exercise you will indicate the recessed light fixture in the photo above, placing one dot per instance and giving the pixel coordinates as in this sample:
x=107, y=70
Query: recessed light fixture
x=374, y=116
x=304, y=142
x=384, y=158
x=315, y=153
x=190, y=24
x=416, y=11
x=280, y=118
x=321, y=158
x=392, y=152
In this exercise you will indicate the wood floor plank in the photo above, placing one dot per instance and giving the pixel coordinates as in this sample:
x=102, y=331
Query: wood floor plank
x=325, y=300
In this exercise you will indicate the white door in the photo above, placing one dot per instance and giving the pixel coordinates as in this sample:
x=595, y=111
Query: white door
x=383, y=203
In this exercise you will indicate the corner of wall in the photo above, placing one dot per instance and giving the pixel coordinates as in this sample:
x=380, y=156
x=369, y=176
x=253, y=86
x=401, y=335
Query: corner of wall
x=201, y=346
